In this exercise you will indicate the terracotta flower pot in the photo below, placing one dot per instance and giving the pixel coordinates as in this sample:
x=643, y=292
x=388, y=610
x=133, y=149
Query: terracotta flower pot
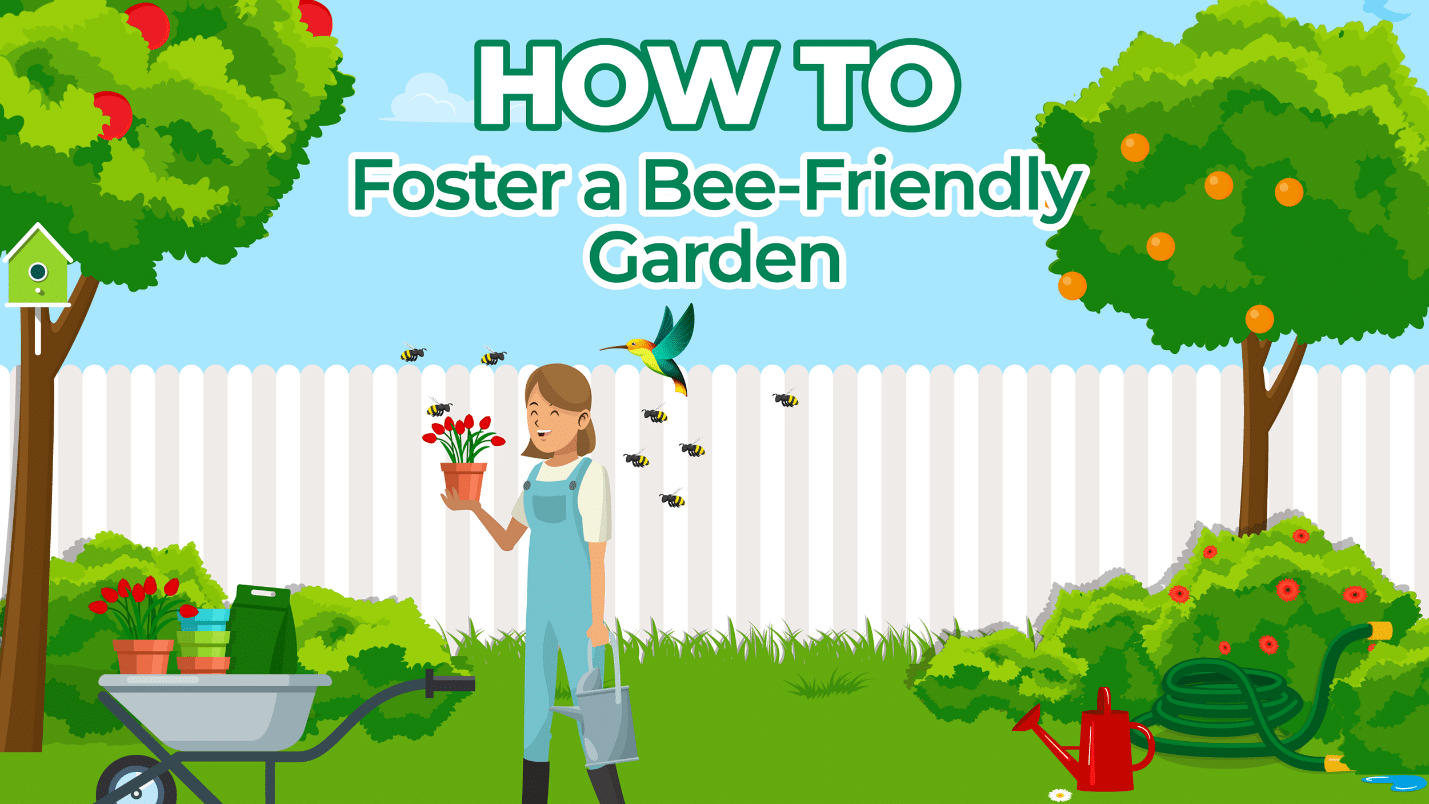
x=465, y=478
x=143, y=656
x=203, y=665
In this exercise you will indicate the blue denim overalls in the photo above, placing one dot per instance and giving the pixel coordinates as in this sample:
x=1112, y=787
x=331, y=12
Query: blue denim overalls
x=557, y=600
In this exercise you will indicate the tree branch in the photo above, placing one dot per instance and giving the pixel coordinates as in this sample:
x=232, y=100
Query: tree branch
x=1280, y=390
x=66, y=328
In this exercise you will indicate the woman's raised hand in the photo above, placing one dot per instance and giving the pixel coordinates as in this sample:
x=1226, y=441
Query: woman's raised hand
x=455, y=502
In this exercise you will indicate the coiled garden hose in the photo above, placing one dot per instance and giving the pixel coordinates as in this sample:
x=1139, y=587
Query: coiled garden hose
x=1214, y=698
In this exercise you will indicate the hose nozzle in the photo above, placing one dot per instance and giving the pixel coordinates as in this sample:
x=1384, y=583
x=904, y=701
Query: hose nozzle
x=1333, y=763
x=1381, y=630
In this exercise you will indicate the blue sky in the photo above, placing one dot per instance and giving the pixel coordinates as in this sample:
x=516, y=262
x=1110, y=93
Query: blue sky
x=327, y=288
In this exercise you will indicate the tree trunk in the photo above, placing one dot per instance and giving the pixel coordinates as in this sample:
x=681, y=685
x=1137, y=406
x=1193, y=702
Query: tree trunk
x=22, y=651
x=1262, y=406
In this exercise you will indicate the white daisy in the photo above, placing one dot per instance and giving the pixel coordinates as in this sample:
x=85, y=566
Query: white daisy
x=1060, y=795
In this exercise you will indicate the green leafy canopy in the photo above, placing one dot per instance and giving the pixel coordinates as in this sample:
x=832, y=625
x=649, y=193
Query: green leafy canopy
x=223, y=114
x=1263, y=98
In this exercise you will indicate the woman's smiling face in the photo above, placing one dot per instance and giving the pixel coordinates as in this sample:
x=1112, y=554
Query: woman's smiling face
x=551, y=428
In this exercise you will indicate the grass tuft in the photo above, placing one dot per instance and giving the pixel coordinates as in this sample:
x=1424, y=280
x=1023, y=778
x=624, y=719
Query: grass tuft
x=845, y=684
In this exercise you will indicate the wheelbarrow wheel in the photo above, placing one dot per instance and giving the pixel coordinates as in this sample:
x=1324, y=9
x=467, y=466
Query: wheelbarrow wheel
x=160, y=790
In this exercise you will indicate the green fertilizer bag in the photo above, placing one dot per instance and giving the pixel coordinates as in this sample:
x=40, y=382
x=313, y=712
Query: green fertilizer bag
x=263, y=638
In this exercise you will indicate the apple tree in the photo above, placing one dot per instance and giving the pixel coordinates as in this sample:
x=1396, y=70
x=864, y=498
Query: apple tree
x=131, y=132
x=1258, y=180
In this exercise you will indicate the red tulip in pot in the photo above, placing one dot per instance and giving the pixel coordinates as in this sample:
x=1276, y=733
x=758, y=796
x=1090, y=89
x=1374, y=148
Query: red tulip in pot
x=464, y=439
x=140, y=613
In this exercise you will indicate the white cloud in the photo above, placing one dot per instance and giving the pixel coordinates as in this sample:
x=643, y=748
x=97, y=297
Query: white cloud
x=428, y=101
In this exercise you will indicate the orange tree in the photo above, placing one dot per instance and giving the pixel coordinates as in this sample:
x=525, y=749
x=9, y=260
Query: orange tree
x=1258, y=179
x=131, y=132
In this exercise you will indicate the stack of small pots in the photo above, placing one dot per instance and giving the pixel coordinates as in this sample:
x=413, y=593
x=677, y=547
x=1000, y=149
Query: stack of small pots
x=203, y=642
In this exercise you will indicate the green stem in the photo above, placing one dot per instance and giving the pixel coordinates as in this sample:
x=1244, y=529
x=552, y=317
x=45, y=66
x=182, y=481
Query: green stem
x=127, y=618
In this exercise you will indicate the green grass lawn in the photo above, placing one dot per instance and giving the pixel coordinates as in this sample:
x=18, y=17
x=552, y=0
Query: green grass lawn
x=712, y=726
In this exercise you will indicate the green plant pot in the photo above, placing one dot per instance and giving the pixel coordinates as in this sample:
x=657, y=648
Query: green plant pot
x=202, y=638
x=188, y=650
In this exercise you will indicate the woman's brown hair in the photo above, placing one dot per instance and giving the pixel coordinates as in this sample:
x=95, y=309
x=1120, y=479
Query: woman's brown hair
x=568, y=389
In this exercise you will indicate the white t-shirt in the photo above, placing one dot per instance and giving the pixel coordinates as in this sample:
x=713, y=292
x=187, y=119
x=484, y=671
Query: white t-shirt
x=593, y=502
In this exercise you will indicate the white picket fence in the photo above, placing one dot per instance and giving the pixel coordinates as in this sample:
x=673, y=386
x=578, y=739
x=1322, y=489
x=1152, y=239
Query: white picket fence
x=906, y=497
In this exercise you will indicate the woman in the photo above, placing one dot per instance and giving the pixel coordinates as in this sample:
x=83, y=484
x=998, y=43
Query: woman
x=566, y=504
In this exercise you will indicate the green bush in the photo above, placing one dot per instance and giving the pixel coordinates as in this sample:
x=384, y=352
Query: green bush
x=1381, y=709
x=1121, y=636
x=1001, y=671
x=363, y=646
x=367, y=647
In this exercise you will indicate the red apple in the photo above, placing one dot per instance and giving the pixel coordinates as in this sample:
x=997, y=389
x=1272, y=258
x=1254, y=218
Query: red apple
x=152, y=23
x=120, y=114
x=316, y=16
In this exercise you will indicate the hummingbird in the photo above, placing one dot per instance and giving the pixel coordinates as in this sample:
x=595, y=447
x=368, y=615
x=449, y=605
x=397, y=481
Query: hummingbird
x=660, y=356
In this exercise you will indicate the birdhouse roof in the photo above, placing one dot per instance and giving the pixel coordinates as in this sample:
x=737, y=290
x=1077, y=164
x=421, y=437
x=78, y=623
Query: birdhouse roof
x=38, y=228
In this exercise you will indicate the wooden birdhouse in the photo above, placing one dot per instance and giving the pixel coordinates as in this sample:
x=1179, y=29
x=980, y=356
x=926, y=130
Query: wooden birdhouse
x=39, y=271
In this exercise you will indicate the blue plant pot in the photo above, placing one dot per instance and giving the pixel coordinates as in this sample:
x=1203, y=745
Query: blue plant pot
x=205, y=620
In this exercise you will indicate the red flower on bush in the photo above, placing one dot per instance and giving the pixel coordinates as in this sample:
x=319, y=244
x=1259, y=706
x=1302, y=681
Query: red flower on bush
x=1180, y=594
x=99, y=607
x=1371, y=645
x=1288, y=590
x=1301, y=536
x=1210, y=551
x=172, y=586
x=1355, y=594
x=1225, y=648
x=1268, y=644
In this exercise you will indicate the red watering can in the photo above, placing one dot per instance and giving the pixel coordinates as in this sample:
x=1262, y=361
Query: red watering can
x=1103, y=762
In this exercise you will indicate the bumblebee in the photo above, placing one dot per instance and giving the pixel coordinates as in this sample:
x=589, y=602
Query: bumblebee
x=655, y=415
x=693, y=450
x=411, y=355
x=673, y=500
x=787, y=399
x=492, y=357
x=637, y=460
x=438, y=408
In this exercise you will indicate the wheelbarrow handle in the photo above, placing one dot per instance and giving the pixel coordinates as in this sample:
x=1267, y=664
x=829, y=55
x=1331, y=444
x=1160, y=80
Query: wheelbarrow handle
x=436, y=683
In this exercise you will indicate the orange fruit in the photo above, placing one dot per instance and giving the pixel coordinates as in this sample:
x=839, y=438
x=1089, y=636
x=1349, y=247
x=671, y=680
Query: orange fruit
x=1289, y=192
x=1219, y=185
x=1260, y=319
x=1072, y=285
x=1160, y=246
x=1135, y=147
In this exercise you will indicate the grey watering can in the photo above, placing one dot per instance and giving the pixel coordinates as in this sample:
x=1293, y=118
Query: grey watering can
x=607, y=732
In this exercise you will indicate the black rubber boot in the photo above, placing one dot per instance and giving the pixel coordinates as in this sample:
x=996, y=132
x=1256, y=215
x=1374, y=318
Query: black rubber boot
x=535, y=781
x=606, y=784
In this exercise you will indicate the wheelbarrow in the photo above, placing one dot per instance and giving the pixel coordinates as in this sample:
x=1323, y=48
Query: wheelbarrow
x=223, y=718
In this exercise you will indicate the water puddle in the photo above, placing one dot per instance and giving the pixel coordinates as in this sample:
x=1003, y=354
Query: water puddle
x=1399, y=784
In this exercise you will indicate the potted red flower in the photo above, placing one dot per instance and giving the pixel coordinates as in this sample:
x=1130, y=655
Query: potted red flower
x=140, y=614
x=464, y=439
